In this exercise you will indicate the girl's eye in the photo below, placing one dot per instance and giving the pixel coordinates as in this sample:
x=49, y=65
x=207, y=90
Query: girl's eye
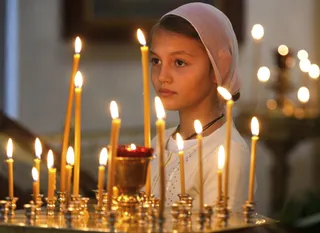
x=179, y=63
x=155, y=61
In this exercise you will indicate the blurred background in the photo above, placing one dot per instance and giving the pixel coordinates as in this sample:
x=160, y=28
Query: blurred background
x=36, y=50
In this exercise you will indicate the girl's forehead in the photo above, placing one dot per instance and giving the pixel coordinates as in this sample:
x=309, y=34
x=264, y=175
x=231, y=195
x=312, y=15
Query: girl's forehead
x=163, y=40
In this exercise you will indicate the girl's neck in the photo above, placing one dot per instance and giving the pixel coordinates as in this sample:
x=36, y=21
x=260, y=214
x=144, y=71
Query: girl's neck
x=204, y=115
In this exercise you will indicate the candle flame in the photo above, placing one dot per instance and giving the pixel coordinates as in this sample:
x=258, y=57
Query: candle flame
x=257, y=32
x=78, y=80
x=35, y=174
x=303, y=94
x=70, y=156
x=141, y=38
x=305, y=65
x=103, y=156
x=179, y=142
x=77, y=45
x=114, y=110
x=50, y=159
x=302, y=54
x=38, y=148
x=159, y=108
x=263, y=74
x=254, y=126
x=221, y=157
x=133, y=146
x=224, y=93
x=9, y=148
x=283, y=50
x=197, y=126
x=314, y=71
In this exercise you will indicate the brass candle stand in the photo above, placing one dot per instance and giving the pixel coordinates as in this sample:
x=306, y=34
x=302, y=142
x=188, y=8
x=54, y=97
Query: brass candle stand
x=38, y=204
x=249, y=212
x=4, y=209
x=12, y=205
x=222, y=214
x=61, y=202
x=51, y=205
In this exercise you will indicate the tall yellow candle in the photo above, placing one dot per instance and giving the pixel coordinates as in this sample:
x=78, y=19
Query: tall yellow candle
x=146, y=100
x=115, y=127
x=181, y=158
x=221, y=160
x=160, y=125
x=10, y=167
x=102, y=161
x=37, y=160
x=66, y=132
x=35, y=185
x=198, y=129
x=69, y=166
x=78, y=81
x=227, y=96
x=51, y=175
x=254, y=140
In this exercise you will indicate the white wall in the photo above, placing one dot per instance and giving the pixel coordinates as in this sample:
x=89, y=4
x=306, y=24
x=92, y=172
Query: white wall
x=114, y=72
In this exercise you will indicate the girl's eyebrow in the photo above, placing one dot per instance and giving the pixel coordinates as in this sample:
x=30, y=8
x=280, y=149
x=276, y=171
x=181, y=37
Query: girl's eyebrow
x=180, y=52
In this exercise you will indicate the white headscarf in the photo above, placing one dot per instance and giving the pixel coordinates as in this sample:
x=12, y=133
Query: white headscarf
x=219, y=39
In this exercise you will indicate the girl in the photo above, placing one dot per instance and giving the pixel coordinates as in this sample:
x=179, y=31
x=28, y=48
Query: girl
x=193, y=51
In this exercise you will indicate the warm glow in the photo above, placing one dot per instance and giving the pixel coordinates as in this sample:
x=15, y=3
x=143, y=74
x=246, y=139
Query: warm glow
x=38, y=148
x=272, y=104
x=78, y=80
x=254, y=126
x=70, y=156
x=179, y=142
x=9, y=148
x=283, y=50
x=159, y=108
x=305, y=65
x=35, y=174
x=133, y=146
x=197, y=126
x=50, y=159
x=114, y=110
x=257, y=32
x=103, y=156
x=263, y=74
x=77, y=45
x=221, y=157
x=302, y=54
x=225, y=93
x=314, y=71
x=141, y=38
x=303, y=94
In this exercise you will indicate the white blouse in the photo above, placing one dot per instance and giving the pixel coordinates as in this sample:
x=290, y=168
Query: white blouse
x=238, y=168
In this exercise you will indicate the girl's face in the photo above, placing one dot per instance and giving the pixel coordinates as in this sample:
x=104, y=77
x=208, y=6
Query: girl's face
x=181, y=73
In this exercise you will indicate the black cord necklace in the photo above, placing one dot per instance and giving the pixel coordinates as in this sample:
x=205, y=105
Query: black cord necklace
x=207, y=126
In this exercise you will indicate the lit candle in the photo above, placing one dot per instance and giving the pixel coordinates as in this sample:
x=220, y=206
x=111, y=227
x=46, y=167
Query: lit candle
x=221, y=160
x=227, y=96
x=115, y=127
x=78, y=81
x=65, y=143
x=160, y=125
x=102, y=161
x=180, y=147
x=37, y=160
x=257, y=33
x=69, y=166
x=198, y=129
x=10, y=167
x=146, y=100
x=35, y=177
x=254, y=140
x=51, y=175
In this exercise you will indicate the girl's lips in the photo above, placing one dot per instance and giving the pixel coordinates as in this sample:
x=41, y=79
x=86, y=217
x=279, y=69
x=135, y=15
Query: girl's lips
x=166, y=92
